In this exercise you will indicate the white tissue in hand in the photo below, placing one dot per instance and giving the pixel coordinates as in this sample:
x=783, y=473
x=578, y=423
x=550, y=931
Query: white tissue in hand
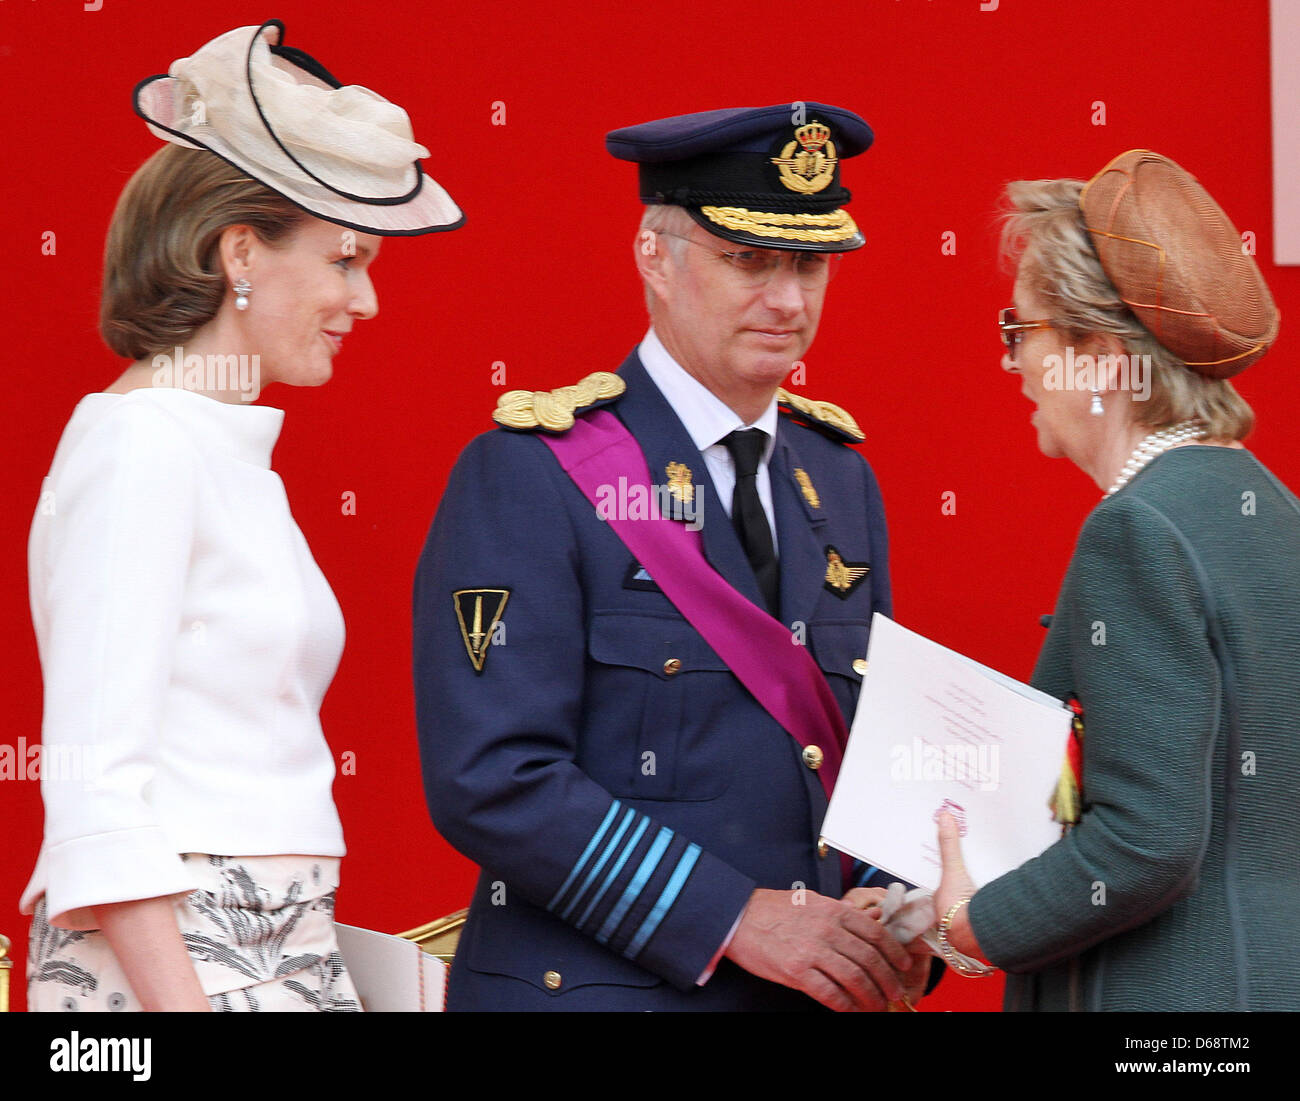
x=908, y=914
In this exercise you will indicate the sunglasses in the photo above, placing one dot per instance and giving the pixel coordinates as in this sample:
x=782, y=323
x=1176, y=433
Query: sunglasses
x=1012, y=329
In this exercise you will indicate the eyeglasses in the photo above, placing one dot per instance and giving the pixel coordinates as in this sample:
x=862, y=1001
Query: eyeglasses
x=754, y=267
x=1013, y=329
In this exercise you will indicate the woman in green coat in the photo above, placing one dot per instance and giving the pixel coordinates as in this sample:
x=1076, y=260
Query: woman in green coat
x=1176, y=882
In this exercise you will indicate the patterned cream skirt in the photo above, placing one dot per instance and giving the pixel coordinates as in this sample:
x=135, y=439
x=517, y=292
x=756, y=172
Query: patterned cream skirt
x=260, y=931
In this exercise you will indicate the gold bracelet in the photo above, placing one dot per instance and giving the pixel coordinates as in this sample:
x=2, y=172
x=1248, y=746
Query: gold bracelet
x=958, y=961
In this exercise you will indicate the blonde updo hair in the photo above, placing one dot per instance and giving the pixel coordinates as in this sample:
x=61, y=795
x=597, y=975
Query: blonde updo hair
x=163, y=278
x=1044, y=232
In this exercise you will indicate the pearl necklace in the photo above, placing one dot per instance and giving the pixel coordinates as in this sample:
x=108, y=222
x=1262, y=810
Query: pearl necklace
x=1156, y=444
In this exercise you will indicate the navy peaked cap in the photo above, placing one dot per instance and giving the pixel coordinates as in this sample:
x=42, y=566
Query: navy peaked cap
x=765, y=176
x=732, y=130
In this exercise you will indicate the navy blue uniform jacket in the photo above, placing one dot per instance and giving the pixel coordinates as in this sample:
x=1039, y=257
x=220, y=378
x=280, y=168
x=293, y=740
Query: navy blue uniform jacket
x=622, y=812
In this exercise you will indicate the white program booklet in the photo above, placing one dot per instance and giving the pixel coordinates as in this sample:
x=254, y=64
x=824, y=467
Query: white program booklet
x=934, y=731
x=391, y=974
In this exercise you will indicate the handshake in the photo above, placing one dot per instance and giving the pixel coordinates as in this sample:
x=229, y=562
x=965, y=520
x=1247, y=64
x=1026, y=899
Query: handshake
x=864, y=952
x=868, y=951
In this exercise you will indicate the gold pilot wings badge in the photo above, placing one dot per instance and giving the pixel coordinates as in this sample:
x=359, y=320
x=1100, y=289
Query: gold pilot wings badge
x=478, y=611
x=843, y=577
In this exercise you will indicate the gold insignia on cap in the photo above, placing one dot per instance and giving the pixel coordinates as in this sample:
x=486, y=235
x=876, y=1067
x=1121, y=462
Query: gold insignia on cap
x=806, y=486
x=478, y=611
x=824, y=412
x=679, y=482
x=843, y=577
x=552, y=410
x=812, y=168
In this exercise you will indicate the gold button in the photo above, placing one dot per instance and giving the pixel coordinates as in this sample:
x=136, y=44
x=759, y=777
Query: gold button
x=671, y=666
x=823, y=848
x=860, y=667
x=812, y=756
x=552, y=980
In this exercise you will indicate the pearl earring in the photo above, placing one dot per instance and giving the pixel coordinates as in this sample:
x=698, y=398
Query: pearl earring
x=1095, y=409
x=243, y=288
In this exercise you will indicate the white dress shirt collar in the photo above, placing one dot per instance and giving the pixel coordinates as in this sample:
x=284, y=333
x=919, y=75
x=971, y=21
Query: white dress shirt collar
x=707, y=418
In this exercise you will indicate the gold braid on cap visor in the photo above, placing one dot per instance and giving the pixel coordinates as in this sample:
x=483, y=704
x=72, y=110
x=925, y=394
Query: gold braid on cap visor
x=835, y=225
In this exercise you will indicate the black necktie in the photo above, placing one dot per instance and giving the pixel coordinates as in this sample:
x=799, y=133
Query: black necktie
x=747, y=515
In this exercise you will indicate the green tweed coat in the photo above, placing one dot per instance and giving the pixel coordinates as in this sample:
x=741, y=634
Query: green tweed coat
x=1178, y=629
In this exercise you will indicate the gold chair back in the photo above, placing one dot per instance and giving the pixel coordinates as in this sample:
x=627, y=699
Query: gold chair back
x=440, y=936
x=6, y=965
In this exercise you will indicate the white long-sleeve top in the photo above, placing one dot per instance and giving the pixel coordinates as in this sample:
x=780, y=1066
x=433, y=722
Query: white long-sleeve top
x=186, y=638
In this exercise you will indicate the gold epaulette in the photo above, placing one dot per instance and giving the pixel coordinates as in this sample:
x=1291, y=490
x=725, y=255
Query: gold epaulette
x=552, y=410
x=831, y=419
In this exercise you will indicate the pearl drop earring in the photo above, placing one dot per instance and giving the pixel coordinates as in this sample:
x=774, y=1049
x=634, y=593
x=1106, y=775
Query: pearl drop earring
x=1095, y=409
x=243, y=288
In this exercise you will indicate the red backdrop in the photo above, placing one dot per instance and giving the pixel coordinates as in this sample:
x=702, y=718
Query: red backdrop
x=541, y=279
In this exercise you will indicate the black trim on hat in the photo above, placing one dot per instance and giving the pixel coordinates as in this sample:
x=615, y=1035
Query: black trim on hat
x=300, y=58
x=369, y=200
x=198, y=146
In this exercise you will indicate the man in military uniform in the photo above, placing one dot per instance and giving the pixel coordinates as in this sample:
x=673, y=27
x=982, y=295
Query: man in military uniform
x=591, y=732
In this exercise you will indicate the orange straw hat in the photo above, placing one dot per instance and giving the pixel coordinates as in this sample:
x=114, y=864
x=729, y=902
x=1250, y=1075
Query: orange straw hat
x=1178, y=263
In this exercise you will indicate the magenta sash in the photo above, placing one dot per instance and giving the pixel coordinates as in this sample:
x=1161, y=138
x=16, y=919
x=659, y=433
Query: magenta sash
x=780, y=674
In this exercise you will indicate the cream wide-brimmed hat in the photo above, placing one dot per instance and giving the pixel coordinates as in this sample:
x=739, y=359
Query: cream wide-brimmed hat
x=342, y=153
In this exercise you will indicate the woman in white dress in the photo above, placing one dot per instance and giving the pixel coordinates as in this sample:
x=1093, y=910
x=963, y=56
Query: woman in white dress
x=186, y=635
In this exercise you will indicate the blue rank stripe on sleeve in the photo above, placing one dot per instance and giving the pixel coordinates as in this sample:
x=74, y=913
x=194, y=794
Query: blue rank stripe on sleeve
x=591, y=845
x=668, y=896
x=595, y=871
x=633, y=890
x=626, y=880
x=613, y=872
